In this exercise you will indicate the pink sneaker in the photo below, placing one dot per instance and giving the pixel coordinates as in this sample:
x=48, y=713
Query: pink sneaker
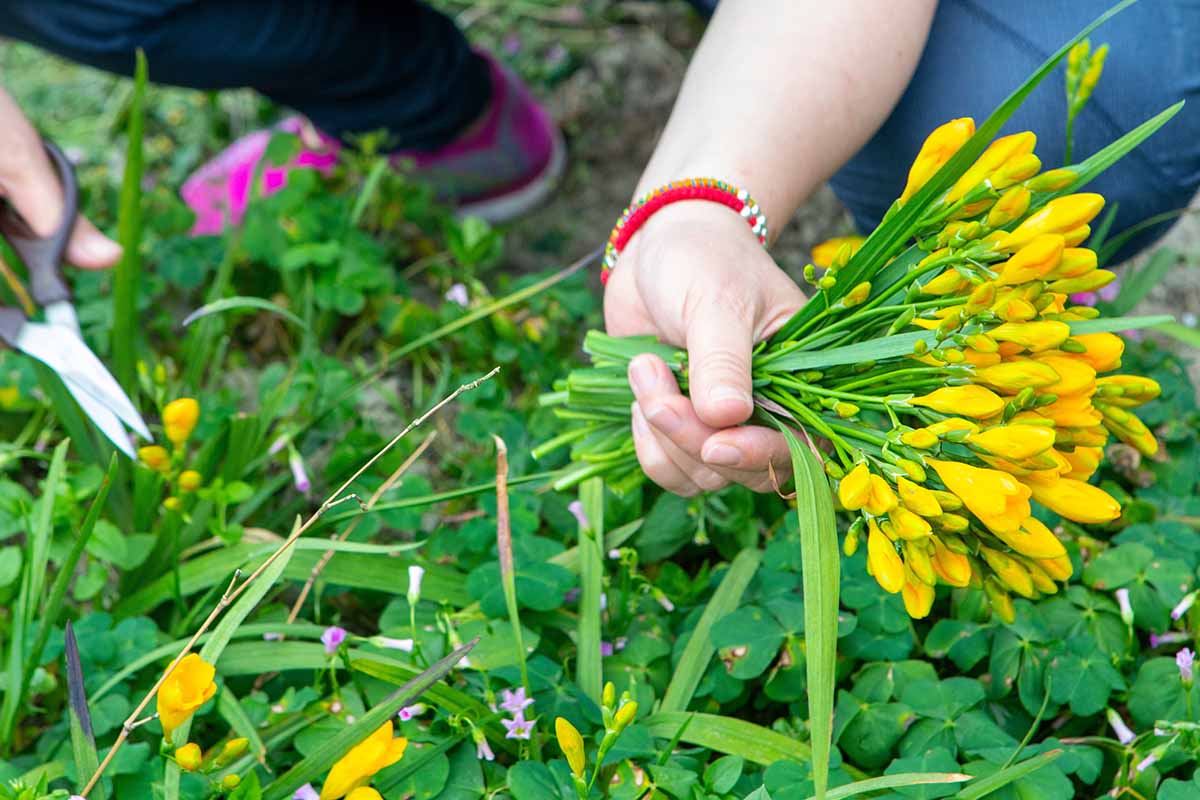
x=508, y=164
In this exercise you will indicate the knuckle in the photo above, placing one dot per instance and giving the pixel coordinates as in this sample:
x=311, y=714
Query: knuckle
x=708, y=480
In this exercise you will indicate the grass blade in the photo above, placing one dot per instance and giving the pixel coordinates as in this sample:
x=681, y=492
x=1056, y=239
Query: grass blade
x=1177, y=330
x=240, y=303
x=313, y=766
x=893, y=782
x=504, y=550
x=699, y=650
x=231, y=710
x=985, y=786
x=30, y=594
x=728, y=735
x=1136, y=286
x=589, y=671
x=127, y=274
x=820, y=568
x=83, y=743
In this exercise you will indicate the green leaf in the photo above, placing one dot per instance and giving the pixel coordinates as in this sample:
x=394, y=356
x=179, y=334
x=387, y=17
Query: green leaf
x=531, y=780
x=316, y=764
x=748, y=639
x=1177, y=330
x=466, y=775
x=1174, y=789
x=83, y=744
x=874, y=732
x=240, y=304
x=722, y=774
x=232, y=712
x=248, y=789
x=1158, y=693
x=1136, y=286
x=699, y=650
x=728, y=735
x=821, y=561
x=896, y=781
x=983, y=786
x=1084, y=677
x=589, y=673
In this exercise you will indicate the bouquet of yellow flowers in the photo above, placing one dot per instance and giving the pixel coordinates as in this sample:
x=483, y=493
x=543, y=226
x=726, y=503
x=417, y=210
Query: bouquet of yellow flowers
x=942, y=361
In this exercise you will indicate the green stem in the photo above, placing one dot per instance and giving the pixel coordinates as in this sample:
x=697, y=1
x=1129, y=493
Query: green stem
x=872, y=379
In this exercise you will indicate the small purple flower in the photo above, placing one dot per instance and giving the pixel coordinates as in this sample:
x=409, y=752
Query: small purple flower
x=483, y=750
x=511, y=46
x=614, y=554
x=576, y=508
x=1109, y=293
x=277, y=445
x=1183, y=605
x=306, y=792
x=571, y=596
x=1170, y=637
x=299, y=475
x=1125, y=606
x=416, y=574
x=392, y=644
x=606, y=649
x=665, y=602
x=1124, y=735
x=272, y=637
x=1147, y=762
x=515, y=702
x=411, y=712
x=603, y=601
x=332, y=638
x=620, y=643
x=1084, y=298
x=458, y=295
x=518, y=727
x=1184, y=660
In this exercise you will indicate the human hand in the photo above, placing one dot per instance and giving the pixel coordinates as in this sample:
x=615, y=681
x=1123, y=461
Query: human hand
x=29, y=182
x=695, y=276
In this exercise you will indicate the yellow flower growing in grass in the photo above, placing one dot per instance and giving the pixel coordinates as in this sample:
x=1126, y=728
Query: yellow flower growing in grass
x=189, y=757
x=189, y=686
x=155, y=457
x=571, y=744
x=353, y=770
x=180, y=418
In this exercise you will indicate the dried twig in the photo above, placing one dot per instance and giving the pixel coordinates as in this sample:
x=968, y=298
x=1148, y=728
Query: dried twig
x=232, y=593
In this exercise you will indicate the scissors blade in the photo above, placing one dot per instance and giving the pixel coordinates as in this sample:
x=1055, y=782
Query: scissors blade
x=61, y=349
x=102, y=418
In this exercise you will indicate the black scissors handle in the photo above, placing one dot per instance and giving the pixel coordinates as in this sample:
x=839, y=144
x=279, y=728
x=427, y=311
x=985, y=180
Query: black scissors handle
x=43, y=256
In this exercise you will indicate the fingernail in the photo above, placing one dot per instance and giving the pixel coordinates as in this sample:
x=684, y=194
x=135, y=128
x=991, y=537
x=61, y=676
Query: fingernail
x=664, y=418
x=101, y=248
x=722, y=394
x=721, y=455
x=641, y=375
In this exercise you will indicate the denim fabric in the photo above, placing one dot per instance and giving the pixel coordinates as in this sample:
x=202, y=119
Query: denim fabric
x=978, y=52
x=351, y=66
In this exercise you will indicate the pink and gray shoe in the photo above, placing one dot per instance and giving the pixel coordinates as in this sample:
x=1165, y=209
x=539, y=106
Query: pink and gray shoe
x=506, y=165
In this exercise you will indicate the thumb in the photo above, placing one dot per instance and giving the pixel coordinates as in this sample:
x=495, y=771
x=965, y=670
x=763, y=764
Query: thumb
x=91, y=249
x=719, y=340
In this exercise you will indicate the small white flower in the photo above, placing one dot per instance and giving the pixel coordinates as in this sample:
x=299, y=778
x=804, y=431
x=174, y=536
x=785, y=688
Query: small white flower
x=392, y=644
x=458, y=295
x=1126, y=607
x=416, y=573
x=1124, y=735
x=1184, y=605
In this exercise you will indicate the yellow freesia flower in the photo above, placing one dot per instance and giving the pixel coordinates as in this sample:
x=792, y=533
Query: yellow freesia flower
x=999, y=500
x=907, y=524
x=155, y=457
x=364, y=793
x=824, y=253
x=1013, y=376
x=1033, y=261
x=1076, y=500
x=1013, y=441
x=1128, y=428
x=938, y=148
x=1034, y=539
x=1042, y=581
x=1128, y=391
x=179, y=419
x=1072, y=411
x=1059, y=568
x=1001, y=601
x=190, y=480
x=917, y=596
x=1075, y=376
x=360, y=764
x=1101, y=350
x=1033, y=336
x=921, y=438
x=997, y=153
x=882, y=499
x=884, y=561
x=189, y=686
x=917, y=498
x=950, y=281
x=969, y=401
x=1011, y=205
x=1009, y=572
x=1084, y=462
x=855, y=488
x=1075, y=261
x=1060, y=215
x=1052, y=180
x=189, y=757
x=953, y=568
x=571, y=744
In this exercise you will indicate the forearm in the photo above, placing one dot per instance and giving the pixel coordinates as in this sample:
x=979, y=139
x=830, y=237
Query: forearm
x=781, y=93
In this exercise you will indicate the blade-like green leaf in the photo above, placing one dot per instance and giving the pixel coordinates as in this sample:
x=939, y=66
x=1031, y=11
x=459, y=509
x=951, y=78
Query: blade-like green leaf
x=83, y=743
x=985, y=786
x=729, y=735
x=899, y=226
x=589, y=674
x=820, y=563
x=1136, y=286
x=894, y=782
x=240, y=303
x=230, y=709
x=128, y=272
x=901, y=344
x=313, y=766
x=699, y=650
x=1177, y=330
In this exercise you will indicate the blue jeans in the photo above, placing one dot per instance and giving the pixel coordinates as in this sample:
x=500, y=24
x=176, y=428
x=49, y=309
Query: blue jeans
x=979, y=51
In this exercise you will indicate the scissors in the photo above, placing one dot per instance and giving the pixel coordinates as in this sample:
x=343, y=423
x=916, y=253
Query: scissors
x=57, y=342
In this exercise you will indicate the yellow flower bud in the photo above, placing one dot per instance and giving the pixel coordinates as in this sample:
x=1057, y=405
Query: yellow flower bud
x=949, y=281
x=172, y=504
x=1011, y=205
x=947, y=500
x=920, y=438
x=625, y=715
x=571, y=744
x=189, y=686
x=1013, y=376
x=951, y=425
x=189, y=480
x=855, y=489
x=1075, y=376
x=917, y=596
x=1032, y=261
x=1127, y=391
x=189, y=757
x=1077, y=55
x=970, y=401
x=1011, y=574
x=1084, y=462
x=1033, y=336
x=1059, y=568
x=1101, y=350
x=608, y=697
x=155, y=457
x=996, y=498
x=953, y=568
x=1077, y=236
x=1128, y=428
x=1013, y=441
x=1052, y=180
x=179, y=419
x=1042, y=581
x=908, y=525
x=850, y=543
x=1015, y=309
x=883, y=560
x=1002, y=604
x=364, y=793
x=1060, y=215
x=996, y=155
x=917, y=498
x=882, y=499
x=824, y=253
x=1076, y=261
x=233, y=780
x=351, y=772
x=916, y=558
x=1034, y=539
x=857, y=296
x=1076, y=500
x=1016, y=170
x=938, y=148
x=1091, y=75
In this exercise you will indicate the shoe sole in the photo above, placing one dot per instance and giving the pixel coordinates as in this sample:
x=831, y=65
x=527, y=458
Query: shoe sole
x=520, y=202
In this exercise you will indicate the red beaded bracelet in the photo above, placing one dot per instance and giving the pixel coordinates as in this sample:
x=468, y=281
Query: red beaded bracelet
x=633, y=217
